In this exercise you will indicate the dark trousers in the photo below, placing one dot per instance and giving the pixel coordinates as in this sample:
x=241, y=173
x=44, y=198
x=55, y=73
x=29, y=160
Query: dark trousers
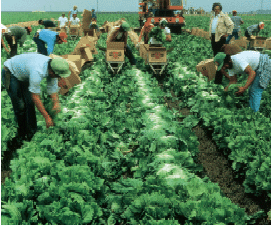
x=13, y=47
x=235, y=34
x=129, y=54
x=41, y=45
x=23, y=106
x=216, y=46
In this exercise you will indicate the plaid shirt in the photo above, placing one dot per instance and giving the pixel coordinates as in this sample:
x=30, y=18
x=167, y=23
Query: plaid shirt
x=264, y=70
x=253, y=28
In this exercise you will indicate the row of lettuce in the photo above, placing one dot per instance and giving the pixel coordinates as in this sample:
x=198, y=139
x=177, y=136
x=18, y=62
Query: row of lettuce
x=73, y=173
x=235, y=126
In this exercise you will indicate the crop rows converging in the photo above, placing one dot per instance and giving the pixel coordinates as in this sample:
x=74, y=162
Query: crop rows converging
x=117, y=155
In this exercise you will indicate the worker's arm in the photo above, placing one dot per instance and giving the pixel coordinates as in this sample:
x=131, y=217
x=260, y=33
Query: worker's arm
x=242, y=22
x=37, y=101
x=55, y=99
x=168, y=38
x=69, y=15
x=251, y=76
x=250, y=79
x=58, y=23
x=3, y=43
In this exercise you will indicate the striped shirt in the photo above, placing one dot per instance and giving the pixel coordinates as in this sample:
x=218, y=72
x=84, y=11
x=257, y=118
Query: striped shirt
x=253, y=28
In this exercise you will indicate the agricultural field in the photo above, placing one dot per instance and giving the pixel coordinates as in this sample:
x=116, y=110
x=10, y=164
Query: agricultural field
x=136, y=149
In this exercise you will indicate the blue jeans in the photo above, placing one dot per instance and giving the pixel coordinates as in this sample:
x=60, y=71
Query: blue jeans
x=23, y=106
x=41, y=45
x=255, y=93
x=130, y=55
x=235, y=34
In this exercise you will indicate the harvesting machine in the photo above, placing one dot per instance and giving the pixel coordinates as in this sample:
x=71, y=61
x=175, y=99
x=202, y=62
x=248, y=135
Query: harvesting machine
x=162, y=9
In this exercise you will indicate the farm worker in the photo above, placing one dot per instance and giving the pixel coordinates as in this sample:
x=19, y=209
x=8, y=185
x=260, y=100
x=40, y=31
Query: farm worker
x=236, y=29
x=253, y=63
x=50, y=38
x=74, y=20
x=62, y=21
x=94, y=25
x=22, y=76
x=256, y=28
x=73, y=11
x=162, y=25
x=3, y=30
x=15, y=35
x=120, y=34
x=93, y=14
x=145, y=32
x=230, y=49
x=220, y=27
x=47, y=23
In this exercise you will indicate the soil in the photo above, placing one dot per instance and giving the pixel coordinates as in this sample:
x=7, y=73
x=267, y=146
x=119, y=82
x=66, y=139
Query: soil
x=216, y=166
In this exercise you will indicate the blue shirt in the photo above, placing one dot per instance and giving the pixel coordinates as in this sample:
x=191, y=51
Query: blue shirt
x=94, y=15
x=49, y=37
x=237, y=22
x=32, y=67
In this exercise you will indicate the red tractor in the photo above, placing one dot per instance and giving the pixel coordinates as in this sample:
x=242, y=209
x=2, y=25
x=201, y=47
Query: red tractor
x=152, y=11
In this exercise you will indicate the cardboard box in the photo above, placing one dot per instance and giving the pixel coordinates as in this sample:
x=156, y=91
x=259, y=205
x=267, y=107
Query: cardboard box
x=134, y=37
x=115, y=51
x=241, y=43
x=268, y=44
x=86, y=53
x=76, y=59
x=259, y=42
x=73, y=79
x=207, y=67
x=86, y=41
x=206, y=35
x=157, y=54
x=143, y=51
x=198, y=32
x=115, y=45
x=194, y=30
x=74, y=30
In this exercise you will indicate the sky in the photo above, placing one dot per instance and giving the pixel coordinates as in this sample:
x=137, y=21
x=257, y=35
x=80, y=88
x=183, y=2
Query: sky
x=125, y=5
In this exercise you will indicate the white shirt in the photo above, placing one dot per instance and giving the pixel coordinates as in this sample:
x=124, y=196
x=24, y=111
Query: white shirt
x=214, y=23
x=62, y=21
x=241, y=60
x=153, y=40
x=3, y=27
x=75, y=21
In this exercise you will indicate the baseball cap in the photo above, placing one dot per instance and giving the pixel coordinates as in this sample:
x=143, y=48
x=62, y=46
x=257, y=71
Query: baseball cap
x=63, y=36
x=219, y=58
x=261, y=25
x=60, y=67
x=125, y=26
x=163, y=22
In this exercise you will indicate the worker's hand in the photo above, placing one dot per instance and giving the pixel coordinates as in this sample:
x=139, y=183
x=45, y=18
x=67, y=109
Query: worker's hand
x=49, y=122
x=137, y=45
x=226, y=88
x=56, y=108
x=224, y=36
x=241, y=91
x=7, y=49
x=252, y=37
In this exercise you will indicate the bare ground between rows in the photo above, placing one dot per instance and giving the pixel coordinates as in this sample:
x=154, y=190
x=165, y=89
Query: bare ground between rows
x=218, y=168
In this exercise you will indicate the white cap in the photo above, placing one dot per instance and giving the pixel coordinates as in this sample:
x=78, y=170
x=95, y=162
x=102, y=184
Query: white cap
x=163, y=19
x=261, y=23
